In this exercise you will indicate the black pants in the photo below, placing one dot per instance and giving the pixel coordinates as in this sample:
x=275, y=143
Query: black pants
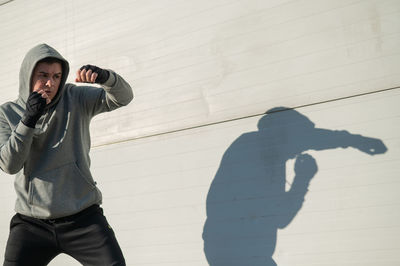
x=86, y=236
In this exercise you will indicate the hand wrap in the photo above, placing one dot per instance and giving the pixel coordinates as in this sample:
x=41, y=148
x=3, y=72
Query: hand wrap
x=35, y=106
x=102, y=74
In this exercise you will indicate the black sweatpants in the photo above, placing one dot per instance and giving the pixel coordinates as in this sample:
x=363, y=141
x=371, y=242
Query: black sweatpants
x=86, y=236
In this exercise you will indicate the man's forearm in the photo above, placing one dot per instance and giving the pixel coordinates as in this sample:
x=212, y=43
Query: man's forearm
x=118, y=91
x=14, y=151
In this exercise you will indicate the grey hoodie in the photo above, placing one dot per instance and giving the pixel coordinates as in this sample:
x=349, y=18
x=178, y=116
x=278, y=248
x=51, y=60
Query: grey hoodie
x=51, y=161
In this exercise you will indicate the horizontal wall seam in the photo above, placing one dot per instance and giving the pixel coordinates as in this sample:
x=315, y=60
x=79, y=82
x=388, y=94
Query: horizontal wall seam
x=5, y=2
x=247, y=116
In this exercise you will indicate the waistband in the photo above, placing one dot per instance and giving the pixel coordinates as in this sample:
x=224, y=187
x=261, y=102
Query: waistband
x=72, y=217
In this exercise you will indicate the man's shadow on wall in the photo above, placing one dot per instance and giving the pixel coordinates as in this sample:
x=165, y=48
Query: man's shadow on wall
x=247, y=202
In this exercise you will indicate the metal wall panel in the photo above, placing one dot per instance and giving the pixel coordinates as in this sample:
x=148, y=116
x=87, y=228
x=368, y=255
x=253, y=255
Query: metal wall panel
x=199, y=62
x=230, y=183
x=194, y=162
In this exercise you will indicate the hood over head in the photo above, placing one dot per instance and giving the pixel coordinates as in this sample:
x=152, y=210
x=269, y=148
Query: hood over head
x=33, y=56
x=284, y=117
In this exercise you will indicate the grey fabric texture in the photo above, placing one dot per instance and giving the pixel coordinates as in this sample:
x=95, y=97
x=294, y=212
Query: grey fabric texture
x=51, y=161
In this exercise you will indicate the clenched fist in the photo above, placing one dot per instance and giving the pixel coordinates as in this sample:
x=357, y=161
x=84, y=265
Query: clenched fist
x=92, y=74
x=35, y=106
x=305, y=166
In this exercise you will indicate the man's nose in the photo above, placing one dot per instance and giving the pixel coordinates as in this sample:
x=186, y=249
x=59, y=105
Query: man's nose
x=49, y=83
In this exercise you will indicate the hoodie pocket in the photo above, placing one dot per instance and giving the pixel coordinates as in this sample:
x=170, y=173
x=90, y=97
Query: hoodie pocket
x=62, y=188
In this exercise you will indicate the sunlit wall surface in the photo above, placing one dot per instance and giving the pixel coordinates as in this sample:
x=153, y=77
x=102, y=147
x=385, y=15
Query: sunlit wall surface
x=263, y=132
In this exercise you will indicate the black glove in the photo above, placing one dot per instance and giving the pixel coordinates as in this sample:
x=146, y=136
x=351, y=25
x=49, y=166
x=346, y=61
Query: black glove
x=102, y=74
x=35, y=106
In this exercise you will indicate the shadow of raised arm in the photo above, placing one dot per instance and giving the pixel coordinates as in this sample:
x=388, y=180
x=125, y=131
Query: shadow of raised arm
x=323, y=139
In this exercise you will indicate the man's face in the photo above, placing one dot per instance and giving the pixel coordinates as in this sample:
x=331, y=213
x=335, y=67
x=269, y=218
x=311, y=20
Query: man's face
x=47, y=77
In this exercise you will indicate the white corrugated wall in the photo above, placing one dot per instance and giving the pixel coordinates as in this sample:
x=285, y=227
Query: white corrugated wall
x=193, y=171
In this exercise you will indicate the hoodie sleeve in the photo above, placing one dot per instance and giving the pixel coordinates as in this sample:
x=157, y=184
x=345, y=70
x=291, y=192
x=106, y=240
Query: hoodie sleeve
x=14, y=146
x=115, y=93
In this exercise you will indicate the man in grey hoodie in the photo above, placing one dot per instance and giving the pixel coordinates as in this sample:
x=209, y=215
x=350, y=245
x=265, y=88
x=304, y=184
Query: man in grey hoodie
x=45, y=141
